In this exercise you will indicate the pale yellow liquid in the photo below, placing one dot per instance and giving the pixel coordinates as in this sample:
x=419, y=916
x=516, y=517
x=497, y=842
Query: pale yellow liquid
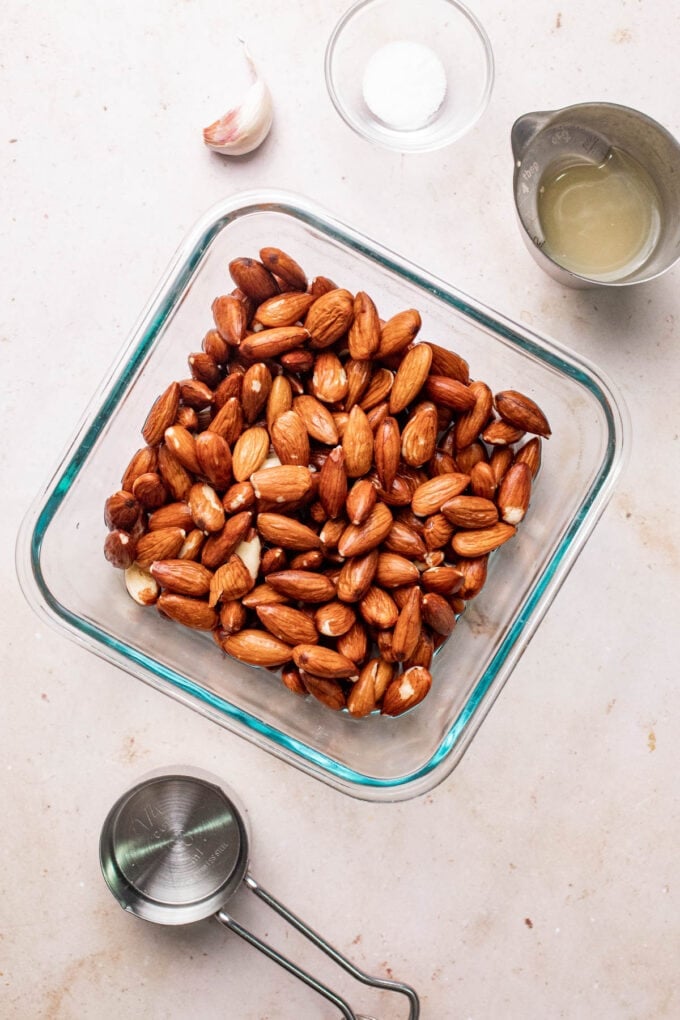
x=599, y=220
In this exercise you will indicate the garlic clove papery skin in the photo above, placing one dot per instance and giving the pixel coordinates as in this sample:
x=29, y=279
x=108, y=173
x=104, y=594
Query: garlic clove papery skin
x=245, y=126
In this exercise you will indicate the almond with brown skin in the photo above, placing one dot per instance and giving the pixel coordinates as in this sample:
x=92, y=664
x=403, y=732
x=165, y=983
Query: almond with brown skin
x=326, y=690
x=378, y=609
x=394, y=571
x=407, y=627
x=230, y=318
x=228, y=421
x=331, y=533
x=231, y=581
x=284, y=266
x=121, y=510
x=257, y=648
x=530, y=454
x=162, y=415
x=360, y=501
x=410, y=377
x=470, y=512
x=195, y=394
x=387, y=451
x=204, y=368
x=419, y=436
x=431, y=495
x=194, y=613
x=329, y=381
x=514, y=493
x=285, y=484
x=149, y=491
x=323, y=662
x=253, y=279
x=214, y=459
x=406, y=691
x=163, y=544
x=120, y=549
x=334, y=619
x=142, y=461
x=233, y=617
x=183, y=577
x=249, y=452
x=356, y=576
x=206, y=508
x=501, y=433
x=443, y=580
x=312, y=559
x=438, y=614
x=479, y=543
x=297, y=362
x=364, y=335
x=317, y=419
x=262, y=595
x=378, y=390
x=288, y=624
x=474, y=573
x=290, y=438
x=257, y=382
x=219, y=547
x=353, y=644
x=333, y=483
x=445, y=362
x=501, y=459
x=450, y=393
x=468, y=456
x=306, y=585
x=361, y=700
x=437, y=531
x=279, y=401
x=423, y=652
x=216, y=346
x=404, y=540
x=271, y=343
x=192, y=545
x=183, y=445
x=330, y=317
x=359, y=539
x=284, y=310
x=286, y=532
x=398, y=332
x=290, y=676
x=469, y=425
x=238, y=497
x=483, y=480
x=321, y=285
x=357, y=444
x=522, y=412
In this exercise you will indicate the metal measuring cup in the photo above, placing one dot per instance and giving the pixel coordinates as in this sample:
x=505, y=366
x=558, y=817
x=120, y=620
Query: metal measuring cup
x=588, y=131
x=174, y=849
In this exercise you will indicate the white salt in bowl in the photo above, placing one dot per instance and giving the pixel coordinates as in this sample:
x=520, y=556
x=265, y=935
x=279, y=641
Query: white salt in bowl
x=409, y=76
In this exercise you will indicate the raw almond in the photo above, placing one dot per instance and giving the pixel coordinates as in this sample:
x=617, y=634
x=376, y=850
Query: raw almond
x=326, y=690
x=501, y=433
x=330, y=317
x=437, y=613
x=353, y=644
x=230, y=318
x=284, y=310
x=323, y=662
x=334, y=619
x=431, y=495
x=194, y=613
x=394, y=570
x=357, y=444
x=410, y=377
x=470, y=512
x=522, y=412
x=482, y=480
x=257, y=648
x=530, y=454
x=162, y=415
x=387, y=451
x=514, y=493
x=361, y=538
x=317, y=419
x=479, y=543
x=407, y=627
x=406, y=691
x=121, y=510
x=474, y=573
x=437, y=531
x=378, y=609
x=290, y=438
x=284, y=266
x=214, y=459
x=445, y=362
x=404, y=540
x=419, y=436
x=228, y=421
x=271, y=343
x=253, y=279
x=356, y=576
x=206, y=507
x=360, y=501
x=444, y=579
x=333, y=483
x=149, y=491
x=231, y=581
x=279, y=402
x=163, y=544
x=286, y=532
x=182, y=576
x=306, y=585
x=283, y=484
x=288, y=624
x=364, y=334
x=398, y=332
x=219, y=547
x=378, y=389
x=257, y=382
x=472, y=422
x=250, y=452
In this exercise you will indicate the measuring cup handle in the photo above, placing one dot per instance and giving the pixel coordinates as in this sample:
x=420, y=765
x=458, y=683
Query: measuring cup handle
x=229, y=922
x=337, y=957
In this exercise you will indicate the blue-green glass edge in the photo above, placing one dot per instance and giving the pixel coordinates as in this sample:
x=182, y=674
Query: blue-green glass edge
x=160, y=311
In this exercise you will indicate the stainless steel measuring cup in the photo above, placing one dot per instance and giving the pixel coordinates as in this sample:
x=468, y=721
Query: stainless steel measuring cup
x=588, y=131
x=174, y=849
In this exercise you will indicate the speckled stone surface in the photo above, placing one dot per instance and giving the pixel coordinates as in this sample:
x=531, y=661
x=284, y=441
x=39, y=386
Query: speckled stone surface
x=540, y=879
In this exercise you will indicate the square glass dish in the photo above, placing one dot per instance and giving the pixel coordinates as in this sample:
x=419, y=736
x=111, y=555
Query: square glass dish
x=67, y=580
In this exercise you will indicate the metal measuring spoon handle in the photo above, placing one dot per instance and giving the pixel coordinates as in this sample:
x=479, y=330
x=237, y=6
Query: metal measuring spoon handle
x=381, y=983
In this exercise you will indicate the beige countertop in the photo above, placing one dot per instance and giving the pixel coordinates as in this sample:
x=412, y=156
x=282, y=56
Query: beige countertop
x=540, y=879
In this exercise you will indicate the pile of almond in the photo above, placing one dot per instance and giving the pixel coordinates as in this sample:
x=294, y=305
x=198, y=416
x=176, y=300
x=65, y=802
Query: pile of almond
x=324, y=491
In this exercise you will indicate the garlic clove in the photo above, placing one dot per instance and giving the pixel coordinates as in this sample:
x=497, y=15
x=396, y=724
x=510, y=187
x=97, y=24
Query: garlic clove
x=243, y=127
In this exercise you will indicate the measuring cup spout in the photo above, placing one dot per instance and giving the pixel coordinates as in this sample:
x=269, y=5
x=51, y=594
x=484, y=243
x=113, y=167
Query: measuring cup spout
x=524, y=130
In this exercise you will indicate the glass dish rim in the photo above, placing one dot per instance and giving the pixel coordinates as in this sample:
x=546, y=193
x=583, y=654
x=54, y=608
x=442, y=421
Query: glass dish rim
x=113, y=387
x=394, y=140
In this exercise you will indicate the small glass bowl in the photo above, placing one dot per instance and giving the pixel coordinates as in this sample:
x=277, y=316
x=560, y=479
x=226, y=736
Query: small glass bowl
x=63, y=572
x=452, y=34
